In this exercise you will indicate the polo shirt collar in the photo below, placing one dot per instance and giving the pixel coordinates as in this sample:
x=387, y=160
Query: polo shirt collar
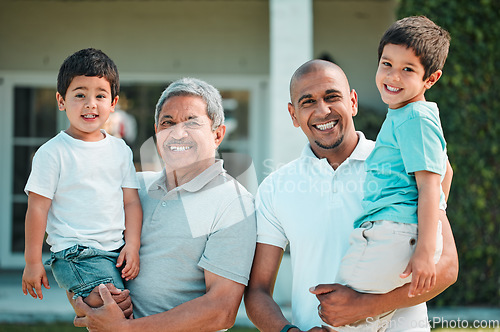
x=361, y=151
x=195, y=184
x=204, y=177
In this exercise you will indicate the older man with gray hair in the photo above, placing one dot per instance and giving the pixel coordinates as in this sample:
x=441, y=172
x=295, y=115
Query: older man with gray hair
x=199, y=229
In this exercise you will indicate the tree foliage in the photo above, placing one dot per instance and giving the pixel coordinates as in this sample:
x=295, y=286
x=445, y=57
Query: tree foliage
x=468, y=96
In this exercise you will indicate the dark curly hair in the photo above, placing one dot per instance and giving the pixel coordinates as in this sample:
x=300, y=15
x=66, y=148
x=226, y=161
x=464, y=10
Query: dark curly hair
x=88, y=62
x=429, y=41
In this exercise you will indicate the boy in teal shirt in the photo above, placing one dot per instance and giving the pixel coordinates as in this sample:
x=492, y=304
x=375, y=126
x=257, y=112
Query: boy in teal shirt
x=403, y=184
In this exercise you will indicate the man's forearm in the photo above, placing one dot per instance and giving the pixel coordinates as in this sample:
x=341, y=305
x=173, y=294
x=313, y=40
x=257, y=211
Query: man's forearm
x=261, y=308
x=200, y=314
x=263, y=311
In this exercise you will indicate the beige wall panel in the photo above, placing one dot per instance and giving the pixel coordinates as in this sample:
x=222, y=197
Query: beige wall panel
x=349, y=31
x=222, y=37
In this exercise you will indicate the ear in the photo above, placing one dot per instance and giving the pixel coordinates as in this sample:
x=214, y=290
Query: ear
x=291, y=110
x=432, y=79
x=113, y=104
x=60, y=102
x=354, y=102
x=219, y=134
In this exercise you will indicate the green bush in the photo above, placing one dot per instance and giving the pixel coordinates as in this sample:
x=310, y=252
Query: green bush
x=468, y=96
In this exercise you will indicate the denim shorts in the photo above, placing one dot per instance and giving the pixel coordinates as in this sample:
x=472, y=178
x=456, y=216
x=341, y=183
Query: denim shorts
x=80, y=269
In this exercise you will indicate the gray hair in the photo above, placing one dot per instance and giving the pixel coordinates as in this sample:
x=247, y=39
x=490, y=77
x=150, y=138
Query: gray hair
x=194, y=87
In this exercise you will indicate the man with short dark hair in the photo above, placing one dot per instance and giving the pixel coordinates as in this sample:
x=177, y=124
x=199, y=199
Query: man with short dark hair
x=311, y=204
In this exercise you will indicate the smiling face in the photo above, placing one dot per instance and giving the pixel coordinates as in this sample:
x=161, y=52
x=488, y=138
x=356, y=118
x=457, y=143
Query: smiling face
x=87, y=103
x=323, y=107
x=400, y=76
x=184, y=134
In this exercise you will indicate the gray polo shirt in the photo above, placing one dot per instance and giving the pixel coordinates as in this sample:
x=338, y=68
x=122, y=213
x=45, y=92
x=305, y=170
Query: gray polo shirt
x=205, y=224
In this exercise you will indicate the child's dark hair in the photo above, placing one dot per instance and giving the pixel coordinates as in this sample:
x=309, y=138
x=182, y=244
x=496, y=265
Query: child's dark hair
x=88, y=62
x=429, y=41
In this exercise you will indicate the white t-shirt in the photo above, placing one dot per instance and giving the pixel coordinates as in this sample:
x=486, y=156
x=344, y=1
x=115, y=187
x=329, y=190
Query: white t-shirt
x=84, y=180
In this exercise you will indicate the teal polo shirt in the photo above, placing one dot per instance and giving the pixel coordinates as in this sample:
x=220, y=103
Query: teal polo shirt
x=411, y=139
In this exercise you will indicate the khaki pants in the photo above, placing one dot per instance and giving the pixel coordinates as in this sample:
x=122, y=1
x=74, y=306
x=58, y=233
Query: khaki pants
x=379, y=252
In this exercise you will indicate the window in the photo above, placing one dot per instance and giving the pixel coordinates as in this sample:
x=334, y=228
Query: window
x=35, y=122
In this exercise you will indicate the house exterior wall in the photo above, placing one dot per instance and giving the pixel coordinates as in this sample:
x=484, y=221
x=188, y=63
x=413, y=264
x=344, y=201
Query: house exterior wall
x=203, y=38
x=349, y=31
x=176, y=37
x=228, y=43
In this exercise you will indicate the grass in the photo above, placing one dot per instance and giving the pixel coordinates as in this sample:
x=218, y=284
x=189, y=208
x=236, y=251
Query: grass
x=68, y=327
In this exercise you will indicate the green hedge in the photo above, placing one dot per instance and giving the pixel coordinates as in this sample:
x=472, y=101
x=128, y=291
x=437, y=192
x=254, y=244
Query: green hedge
x=468, y=96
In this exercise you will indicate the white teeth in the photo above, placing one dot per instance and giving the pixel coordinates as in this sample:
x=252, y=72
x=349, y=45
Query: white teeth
x=327, y=125
x=392, y=89
x=89, y=116
x=179, y=148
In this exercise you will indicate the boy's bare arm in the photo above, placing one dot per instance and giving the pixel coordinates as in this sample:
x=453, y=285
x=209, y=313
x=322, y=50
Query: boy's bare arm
x=421, y=265
x=132, y=234
x=34, y=274
x=133, y=216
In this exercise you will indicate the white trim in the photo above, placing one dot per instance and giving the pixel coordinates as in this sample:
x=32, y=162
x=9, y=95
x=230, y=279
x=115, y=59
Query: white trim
x=10, y=80
x=6, y=129
x=291, y=40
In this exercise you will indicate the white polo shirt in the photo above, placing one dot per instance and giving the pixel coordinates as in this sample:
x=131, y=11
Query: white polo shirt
x=312, y=207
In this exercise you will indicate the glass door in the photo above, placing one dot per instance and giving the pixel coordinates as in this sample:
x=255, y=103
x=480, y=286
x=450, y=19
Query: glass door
x=35, y=122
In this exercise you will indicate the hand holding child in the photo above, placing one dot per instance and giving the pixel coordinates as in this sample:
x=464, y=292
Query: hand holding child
x=34, y=276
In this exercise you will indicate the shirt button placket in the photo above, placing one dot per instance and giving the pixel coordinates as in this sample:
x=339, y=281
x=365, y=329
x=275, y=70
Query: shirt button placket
x=333, y=187
x=158, y=212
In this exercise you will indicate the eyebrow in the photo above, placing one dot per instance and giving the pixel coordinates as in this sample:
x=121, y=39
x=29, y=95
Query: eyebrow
x=85, y=88
x=387, y=58
x=327, y=92
x=80, y=88
x=304, y=97
x=332, y=91
x=189, y=117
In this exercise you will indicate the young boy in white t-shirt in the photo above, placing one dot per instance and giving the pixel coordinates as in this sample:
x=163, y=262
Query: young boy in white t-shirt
x=82, y=189
x=402, y=189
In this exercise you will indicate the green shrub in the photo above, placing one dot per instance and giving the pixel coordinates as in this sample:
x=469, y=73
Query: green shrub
x=468, y=96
